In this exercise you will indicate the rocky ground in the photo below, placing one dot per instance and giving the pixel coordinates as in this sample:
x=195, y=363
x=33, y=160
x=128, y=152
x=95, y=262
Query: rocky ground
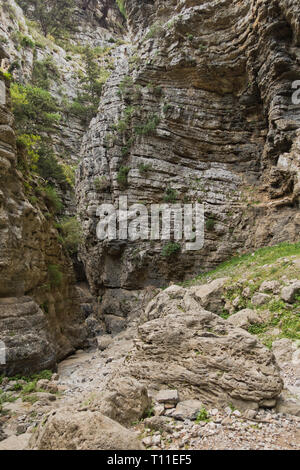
x=84, y=375
x=166, y=414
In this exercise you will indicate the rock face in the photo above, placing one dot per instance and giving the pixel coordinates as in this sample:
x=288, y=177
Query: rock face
x=200, y=106
x=66, y=430
x=95, y=25
x=40, y=319
x=203, y=356
x=43, y=316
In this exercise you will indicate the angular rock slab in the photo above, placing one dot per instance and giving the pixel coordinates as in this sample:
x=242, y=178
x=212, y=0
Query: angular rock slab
x=86, y=430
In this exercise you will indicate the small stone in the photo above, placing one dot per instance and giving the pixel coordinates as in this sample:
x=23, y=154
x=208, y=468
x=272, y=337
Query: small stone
x=169, y=406
x=228, y=411
x=270, y=286
x=288, y=293
x=260, y=299
x=21, y=428
x=187, y=409
x=156, y=439
x=47, y=386
x=147, y=441
x=159, y=410
x=168, y=397
x=250, y=414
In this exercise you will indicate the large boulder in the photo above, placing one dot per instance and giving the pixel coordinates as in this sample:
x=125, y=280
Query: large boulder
x=85, y=430
x=125, y=400
x=210, y=295
x=244, y=318
x=201, y=355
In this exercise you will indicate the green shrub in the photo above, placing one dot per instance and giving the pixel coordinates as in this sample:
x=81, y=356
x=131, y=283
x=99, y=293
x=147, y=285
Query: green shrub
x=170, y=195
x=49, y=168
x=210, y=224
x=122, y=8
x=149, y=126
x=170, y=249
x=145, y=167
x=166, y=107
x=71, y=234
x=101, y=184
x=27, y=42
x=44, y=71
x=90, y=85
x=53, y=199
x=55, y=275
x=202, y=415
x=125, y=85
x=122, y=176
x=28, y=156
x=155, y=30
x=69, y=173
x=35, y=109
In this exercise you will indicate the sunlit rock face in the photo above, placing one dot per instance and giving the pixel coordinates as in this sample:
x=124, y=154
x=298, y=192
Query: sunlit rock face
x=200, y=103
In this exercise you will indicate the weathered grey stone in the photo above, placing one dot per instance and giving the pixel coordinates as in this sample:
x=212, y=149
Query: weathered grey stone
x=203, y=356
x=86, y=430
x=260, y=299
x=210, y=296
x=167, y=397
x=288, y=404
x=270, y=286
x=244, y=318
x=47, y=386
x=187, y=409
x=159, y=423
x=125, y=400
x=288, y=293
x=114, y=324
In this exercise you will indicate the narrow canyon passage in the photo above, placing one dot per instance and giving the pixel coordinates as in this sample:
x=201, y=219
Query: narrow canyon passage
x=149, y=224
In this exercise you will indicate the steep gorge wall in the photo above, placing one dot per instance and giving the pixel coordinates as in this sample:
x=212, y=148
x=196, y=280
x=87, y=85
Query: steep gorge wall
x=215, y=80
x=40, y=317
x=44, y=313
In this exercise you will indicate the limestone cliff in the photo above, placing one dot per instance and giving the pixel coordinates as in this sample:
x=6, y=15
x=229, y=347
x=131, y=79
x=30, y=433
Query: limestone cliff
x=40, y=318
x=200, y=108
x=44, y=315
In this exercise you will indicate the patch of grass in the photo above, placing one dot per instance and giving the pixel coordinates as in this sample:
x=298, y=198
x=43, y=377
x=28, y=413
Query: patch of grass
x=71, y=233
x=202, y=415
x=170, y=249
x=239, y=265
x=122, y=176
x=170, y=195
x=101, y=183
x=210, y=224
x=122, y=8
x=149, y=126
x=144, y=168
x=53, y=199
x=55, y=275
